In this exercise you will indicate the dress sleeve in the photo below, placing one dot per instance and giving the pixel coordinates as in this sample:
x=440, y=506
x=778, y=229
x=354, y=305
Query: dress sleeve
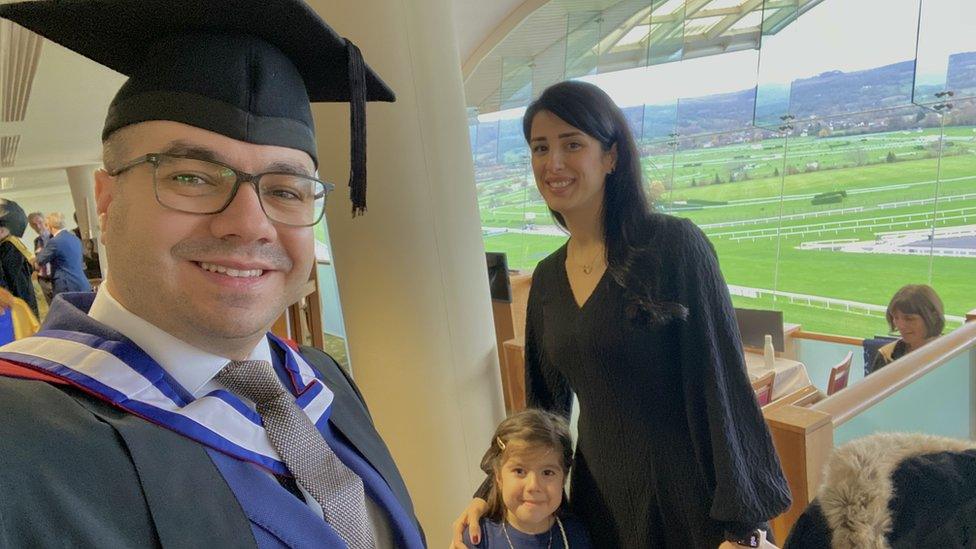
x=545, y=386
x=46, y=254
x=732, y=443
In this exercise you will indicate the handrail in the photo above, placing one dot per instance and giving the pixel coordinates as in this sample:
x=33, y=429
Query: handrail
x=831, y=338
x=845, y=405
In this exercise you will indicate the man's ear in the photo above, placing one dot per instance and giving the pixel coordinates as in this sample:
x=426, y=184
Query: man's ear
x=105, y=189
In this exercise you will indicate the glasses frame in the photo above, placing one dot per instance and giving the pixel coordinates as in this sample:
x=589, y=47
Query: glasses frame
x=240, y=178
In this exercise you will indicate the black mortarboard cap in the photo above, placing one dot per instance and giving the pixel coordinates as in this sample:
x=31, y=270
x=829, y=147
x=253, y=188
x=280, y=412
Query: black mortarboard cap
x=12, y=217
x=246, y=69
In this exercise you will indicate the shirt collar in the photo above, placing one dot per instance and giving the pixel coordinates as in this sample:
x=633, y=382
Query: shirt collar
x=191, y=367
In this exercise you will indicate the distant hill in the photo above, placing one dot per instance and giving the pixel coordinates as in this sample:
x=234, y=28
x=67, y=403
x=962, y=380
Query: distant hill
x=832, y=93
x=828, y=94
x=962, y=73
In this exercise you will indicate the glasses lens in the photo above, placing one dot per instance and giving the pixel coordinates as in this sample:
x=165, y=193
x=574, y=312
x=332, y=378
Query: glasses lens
x=194, y=186
x=292, y=199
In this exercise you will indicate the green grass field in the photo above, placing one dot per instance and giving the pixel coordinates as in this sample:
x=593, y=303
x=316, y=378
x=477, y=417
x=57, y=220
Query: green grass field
x=860, y=166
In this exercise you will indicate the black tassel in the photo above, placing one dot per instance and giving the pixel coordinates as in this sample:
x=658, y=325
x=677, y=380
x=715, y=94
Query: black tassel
x=357, y=134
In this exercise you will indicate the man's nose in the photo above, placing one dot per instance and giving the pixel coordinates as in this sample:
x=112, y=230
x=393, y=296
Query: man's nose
x=244, y=218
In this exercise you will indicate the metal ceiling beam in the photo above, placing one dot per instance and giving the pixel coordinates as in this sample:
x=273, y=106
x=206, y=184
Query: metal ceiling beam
x=728, y=21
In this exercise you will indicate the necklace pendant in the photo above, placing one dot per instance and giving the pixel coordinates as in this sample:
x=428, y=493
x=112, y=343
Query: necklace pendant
x=587, y=269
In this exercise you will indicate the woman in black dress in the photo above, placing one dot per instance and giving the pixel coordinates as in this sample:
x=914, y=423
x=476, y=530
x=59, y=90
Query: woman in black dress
x=632, y=316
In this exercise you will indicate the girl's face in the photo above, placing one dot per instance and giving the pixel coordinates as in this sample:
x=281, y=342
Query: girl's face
x=911, y=328
x=570, y=166
x=531, y=482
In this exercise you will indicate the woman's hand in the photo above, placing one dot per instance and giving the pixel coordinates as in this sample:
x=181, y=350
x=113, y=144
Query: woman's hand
x=469, y=518
x=6, y=299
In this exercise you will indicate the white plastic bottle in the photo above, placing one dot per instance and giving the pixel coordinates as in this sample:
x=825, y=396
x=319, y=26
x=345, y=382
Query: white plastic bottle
x=769, y=353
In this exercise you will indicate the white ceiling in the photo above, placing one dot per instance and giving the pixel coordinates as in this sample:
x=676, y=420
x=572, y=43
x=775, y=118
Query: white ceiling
x=70, y=95
x=474, y=21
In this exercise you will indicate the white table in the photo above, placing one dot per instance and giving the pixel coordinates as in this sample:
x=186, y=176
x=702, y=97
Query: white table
x=790, y=374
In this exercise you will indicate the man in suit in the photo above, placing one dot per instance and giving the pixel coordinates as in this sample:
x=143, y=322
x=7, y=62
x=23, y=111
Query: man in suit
x=159, y=411
x=36, y=221
x=62, y=256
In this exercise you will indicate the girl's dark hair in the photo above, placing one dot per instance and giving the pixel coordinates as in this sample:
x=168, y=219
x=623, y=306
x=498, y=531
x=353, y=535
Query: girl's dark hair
x=921, y=300
x=626, y=207
x=527, y=430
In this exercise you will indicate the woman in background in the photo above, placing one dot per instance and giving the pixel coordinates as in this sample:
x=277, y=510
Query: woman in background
x=916, y=313
x=633, y=316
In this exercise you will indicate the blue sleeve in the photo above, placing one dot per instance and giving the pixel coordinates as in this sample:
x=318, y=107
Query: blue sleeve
x=46, y=254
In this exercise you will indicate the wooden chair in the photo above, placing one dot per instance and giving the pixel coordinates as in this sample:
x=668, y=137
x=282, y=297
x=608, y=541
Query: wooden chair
x=840, y=374
x=764, y=388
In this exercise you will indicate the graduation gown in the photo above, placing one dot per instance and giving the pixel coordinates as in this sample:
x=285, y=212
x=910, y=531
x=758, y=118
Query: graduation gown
x=672, y=449
x=78, y=471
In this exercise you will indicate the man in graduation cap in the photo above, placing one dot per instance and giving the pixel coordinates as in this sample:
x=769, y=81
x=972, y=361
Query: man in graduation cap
x=160, y=412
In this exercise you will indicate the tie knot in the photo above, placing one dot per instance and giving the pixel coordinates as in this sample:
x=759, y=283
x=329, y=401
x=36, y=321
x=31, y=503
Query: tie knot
x=253, y=379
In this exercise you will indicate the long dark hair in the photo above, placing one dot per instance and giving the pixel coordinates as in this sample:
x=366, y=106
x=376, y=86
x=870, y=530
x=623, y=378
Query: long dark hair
x=527, y=430
x=626, y=206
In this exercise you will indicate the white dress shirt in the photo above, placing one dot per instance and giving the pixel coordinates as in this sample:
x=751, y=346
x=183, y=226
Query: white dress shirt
x=194, y=369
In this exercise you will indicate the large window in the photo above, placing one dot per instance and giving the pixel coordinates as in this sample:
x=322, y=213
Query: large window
x=830, y=162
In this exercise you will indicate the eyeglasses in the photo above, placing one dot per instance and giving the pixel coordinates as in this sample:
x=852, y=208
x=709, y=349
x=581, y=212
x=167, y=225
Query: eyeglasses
x=197, y=186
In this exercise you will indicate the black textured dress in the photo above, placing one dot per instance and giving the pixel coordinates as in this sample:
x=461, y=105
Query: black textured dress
x=672, y=450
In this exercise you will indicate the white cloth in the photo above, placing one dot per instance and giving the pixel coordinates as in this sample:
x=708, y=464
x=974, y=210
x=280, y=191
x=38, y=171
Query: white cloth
x=194, y=369
x=790, y=374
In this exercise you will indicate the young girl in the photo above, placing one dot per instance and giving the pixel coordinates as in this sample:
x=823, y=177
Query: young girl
x=528, y=460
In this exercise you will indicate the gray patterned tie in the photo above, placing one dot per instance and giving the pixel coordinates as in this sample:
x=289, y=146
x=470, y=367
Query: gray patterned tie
x=306, y=454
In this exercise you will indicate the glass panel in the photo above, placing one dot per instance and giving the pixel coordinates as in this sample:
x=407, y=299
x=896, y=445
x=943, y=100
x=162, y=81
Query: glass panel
x=516, y=83
x=512, y=150
x=332, y=319
x=623, y=45
x=700, y=25
x=487, y=96
x=775, y=66
x=486, y=144
x=820, y=356
x=841, y=75
x=666, y=41
x=660, y=121
x=951, y=243
x=582, y=43
x=946, y=52
x=549, y=67
x=751, y=23
x=857, y=188
x=729, y=185
x=940, y=403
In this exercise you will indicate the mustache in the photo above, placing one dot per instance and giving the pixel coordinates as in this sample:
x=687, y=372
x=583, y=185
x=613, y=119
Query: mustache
x=272, y=254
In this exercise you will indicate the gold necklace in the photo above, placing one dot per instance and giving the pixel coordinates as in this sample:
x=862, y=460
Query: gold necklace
x=562, y=532
x=588, y=267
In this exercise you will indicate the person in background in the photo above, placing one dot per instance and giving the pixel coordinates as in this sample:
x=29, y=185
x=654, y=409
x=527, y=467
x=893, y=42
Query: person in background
x=63, y=256
x=528, y=461
x=16, y=319
x=916, y=313
x=15, y=259
x=632, y=316
x=36, y=221
x=77, y=229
